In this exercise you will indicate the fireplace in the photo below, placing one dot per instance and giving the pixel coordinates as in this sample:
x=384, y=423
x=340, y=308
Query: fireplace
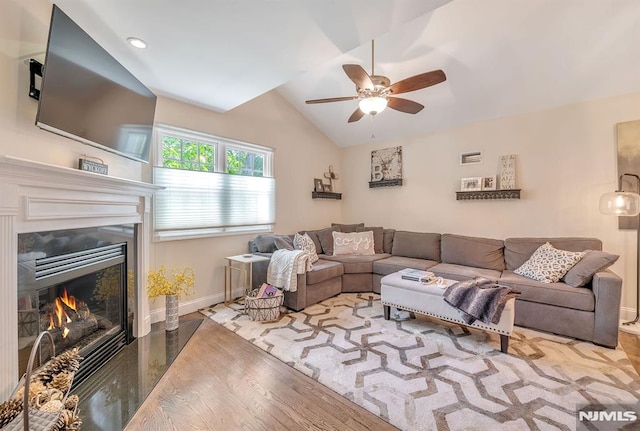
x=74, y=284
x=49, y=199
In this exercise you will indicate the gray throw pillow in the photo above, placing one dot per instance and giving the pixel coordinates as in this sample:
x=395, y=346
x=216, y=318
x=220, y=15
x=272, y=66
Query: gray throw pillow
x=283, y=242
x=264, y=243
x=347, y=228
x=594, y=261
x=326, y=240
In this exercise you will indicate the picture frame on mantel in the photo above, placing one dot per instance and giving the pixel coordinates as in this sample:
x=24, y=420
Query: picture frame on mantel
x=386, y=167
x=471, y=184
x=318, y=186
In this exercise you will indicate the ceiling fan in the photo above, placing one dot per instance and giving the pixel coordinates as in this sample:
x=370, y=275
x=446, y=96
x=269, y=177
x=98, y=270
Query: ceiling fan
x=376, y=92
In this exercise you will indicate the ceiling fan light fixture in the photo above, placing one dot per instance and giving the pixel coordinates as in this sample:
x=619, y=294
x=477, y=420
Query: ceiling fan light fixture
x=373, y=105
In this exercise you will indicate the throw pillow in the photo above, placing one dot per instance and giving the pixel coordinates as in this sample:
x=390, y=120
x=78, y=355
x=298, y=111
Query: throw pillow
x=548, y=264
x=583, y=271
x=305, y=243
x=264, y=243
x=283, y=243
x=378, y=237
x=347, y=228
x=326, y=239
x=360, y=243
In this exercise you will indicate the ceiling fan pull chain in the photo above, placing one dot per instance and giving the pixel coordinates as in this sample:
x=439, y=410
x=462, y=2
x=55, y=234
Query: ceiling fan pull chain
x=373, y=134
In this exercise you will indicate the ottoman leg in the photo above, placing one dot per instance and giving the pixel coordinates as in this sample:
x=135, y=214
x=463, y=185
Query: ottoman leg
x=504, y=343
x=387, y=311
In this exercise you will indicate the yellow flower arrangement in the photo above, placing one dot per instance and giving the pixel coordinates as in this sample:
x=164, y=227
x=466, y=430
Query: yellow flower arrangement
x=180, y=283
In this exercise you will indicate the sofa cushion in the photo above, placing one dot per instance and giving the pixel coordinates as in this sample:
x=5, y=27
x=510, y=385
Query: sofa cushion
x=283, y=242
x=473, y=251
x=378, y=237
x=303, y=242
x=549, y=264
x=396, y=263
x=583, y=271
x=558, y=294
x=357, y=264
x=387, y=240
x=456, y=272
x=326, y=239
x=518, y=250
x=416, y=244
x=360, y=243
x=324, y=270
x=347, y=228
x=265, y=243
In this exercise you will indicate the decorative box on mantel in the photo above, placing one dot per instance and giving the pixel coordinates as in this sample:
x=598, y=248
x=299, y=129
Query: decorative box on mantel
x=385, y=183
x=488, y=194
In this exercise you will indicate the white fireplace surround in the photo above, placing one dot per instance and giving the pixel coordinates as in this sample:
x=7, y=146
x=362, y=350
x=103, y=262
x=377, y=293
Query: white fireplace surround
x=36, y=197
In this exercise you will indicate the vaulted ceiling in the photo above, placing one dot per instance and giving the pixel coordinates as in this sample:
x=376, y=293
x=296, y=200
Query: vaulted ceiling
x=501, y=57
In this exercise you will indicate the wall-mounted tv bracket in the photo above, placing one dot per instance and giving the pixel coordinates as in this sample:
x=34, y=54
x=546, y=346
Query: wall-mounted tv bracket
x=35, y=68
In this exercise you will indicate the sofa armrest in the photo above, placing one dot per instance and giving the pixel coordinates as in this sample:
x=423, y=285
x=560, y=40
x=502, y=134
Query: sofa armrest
x=607, y=290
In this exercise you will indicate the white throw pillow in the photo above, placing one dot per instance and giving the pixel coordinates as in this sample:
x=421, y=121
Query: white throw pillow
x=548, y=264
x=353, y=243
x=305, y=243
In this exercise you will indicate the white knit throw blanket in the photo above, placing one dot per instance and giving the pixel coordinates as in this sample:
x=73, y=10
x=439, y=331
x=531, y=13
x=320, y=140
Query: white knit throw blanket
x=284, y=267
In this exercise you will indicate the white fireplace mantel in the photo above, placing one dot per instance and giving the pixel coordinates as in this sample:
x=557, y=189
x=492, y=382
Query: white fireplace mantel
x=37, y=197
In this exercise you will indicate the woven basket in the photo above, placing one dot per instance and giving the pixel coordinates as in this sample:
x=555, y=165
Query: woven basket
x=263, y=309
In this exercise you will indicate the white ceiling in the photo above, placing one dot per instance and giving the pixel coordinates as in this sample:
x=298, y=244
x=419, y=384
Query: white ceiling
x=501, y=57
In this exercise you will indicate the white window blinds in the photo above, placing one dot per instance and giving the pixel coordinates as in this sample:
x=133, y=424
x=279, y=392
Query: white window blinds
x=208, y=201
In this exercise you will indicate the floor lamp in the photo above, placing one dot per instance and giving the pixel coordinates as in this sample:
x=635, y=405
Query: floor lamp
x=623, y=203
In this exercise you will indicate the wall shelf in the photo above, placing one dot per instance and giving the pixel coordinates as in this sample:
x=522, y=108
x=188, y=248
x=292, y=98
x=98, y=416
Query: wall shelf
x=385, y=183
x=326, y=195
x=488, y=194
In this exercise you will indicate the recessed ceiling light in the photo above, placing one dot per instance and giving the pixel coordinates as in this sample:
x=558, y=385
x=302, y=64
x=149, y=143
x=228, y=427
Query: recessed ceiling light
x=138, y=43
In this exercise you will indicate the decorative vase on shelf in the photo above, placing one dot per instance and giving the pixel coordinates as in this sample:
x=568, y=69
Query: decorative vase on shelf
x=172, y=312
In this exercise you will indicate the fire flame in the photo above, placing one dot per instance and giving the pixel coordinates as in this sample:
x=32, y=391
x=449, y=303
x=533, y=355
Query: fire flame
x=61, y=317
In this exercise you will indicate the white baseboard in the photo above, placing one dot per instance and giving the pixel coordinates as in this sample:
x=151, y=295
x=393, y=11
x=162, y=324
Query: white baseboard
x=194, y=305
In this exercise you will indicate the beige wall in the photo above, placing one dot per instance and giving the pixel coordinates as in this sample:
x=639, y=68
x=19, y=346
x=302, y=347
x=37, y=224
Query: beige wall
x=566, y=158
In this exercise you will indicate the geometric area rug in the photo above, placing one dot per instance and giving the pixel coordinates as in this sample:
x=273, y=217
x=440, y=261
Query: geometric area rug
x=427, y=374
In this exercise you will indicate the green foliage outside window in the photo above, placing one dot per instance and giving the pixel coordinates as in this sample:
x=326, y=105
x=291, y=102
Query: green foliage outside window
x=186, y=154
x=245, y=163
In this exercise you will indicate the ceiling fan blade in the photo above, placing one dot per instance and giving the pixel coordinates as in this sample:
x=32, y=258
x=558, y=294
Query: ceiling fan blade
x=332, y=99
x=404, y=105
x=418, y=82
x=358, y=75
x=357, y=114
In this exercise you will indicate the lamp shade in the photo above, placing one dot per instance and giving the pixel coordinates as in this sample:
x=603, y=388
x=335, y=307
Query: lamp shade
x=620, y=203
x=373, y=105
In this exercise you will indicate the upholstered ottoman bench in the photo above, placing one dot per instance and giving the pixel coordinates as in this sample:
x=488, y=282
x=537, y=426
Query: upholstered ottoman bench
x=427, y=299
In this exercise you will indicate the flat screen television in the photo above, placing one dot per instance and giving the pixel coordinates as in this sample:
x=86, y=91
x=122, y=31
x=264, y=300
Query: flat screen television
x=87, y=95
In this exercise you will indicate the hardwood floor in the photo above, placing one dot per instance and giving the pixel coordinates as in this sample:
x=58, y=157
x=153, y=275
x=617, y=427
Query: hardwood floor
x=221, y=382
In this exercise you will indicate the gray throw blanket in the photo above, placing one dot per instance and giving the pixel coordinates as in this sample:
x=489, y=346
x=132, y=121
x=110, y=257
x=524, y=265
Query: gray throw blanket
x=479, y=299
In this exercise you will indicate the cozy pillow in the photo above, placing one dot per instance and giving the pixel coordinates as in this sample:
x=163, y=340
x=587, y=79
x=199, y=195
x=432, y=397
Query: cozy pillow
x=326, y=239
x=583, y=271
x=348, y=228
x=378, y=237
x=283, y=242
x=313, y=234
x=548, y=264
x=305, y=243
x=360, y=243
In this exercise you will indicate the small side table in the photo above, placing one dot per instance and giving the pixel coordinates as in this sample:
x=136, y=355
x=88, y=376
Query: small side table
x=243, y=264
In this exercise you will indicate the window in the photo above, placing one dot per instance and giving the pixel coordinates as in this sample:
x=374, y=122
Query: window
x=212, y=185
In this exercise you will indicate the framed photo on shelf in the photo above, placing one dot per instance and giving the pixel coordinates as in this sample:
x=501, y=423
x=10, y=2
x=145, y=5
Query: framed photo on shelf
x=472, y=184
x=489, y=183
x=318, y=186
x=328, y=188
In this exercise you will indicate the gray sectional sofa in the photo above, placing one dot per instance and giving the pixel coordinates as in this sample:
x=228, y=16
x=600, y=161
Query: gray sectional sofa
x=587, y=313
